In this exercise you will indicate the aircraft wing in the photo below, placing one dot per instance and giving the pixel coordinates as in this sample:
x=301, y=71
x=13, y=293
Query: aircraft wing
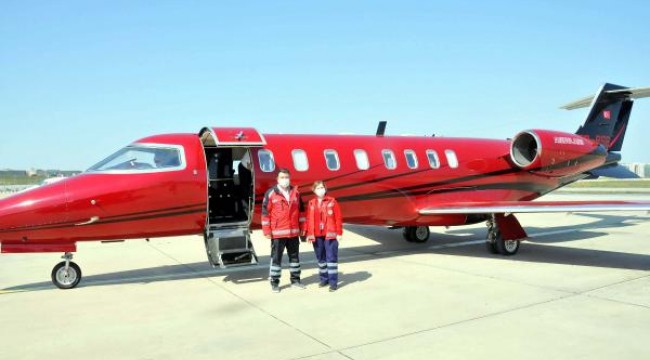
x=512, y=207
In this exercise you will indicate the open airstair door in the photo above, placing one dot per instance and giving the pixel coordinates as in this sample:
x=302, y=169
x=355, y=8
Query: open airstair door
x=231, y=194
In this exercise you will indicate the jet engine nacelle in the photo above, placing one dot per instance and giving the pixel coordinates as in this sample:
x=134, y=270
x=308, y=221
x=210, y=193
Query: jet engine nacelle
x=554, y=153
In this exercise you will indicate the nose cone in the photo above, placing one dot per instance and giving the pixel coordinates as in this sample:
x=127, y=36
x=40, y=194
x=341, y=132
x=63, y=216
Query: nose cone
x=29, y=214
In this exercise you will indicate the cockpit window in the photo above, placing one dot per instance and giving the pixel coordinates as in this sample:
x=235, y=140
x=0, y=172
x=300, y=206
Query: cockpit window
x=141, y=158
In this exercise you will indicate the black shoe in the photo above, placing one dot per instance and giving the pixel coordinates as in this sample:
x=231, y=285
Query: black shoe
x=275, y=288
x=322, y=285
x=333, y=288
x=298, y=285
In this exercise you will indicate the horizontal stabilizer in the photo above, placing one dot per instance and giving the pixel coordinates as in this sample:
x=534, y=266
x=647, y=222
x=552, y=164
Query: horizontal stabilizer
x=615, y=172
x=631, y=93
x=503, y=207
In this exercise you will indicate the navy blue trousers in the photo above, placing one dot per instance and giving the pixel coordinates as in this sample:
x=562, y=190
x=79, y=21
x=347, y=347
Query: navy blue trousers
x=327, y=255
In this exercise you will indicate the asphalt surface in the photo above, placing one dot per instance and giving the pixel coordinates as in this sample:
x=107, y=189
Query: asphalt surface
x=579, y=288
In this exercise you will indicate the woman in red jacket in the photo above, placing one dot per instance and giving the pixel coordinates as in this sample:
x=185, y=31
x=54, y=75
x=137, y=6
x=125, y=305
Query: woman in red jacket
x=324, y=230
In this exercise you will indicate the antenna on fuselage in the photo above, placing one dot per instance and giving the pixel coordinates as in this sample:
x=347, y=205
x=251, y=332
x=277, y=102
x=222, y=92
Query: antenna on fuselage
x=381, y=128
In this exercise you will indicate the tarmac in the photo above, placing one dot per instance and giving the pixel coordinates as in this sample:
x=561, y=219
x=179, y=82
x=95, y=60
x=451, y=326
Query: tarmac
x=578, y=288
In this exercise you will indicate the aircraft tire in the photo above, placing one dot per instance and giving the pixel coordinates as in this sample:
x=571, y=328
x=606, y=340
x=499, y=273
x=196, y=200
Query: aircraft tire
x=407, y=234
x=507, y=247
x=420, y=234
x=491, y=242
x=491, y=247
x=66, y=280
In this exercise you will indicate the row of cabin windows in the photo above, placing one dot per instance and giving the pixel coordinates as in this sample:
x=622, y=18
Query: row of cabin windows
x=301, y=163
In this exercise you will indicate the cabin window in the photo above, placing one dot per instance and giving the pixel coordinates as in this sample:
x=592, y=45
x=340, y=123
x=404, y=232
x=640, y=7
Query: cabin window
x=452, y=160
x=411, y=159
x=267, y=163
x=332, y=160
x=300, y=161
x=361, y=156
x=142, y=158
x=389, y=159
x=434, y=162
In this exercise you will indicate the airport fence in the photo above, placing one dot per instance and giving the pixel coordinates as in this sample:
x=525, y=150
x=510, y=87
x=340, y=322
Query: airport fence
x=10, y=189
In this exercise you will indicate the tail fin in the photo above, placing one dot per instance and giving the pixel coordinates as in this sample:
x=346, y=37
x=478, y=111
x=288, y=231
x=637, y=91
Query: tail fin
x=609, y=114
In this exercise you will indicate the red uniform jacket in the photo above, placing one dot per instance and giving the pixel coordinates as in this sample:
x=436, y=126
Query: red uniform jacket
x=282, y=218
x=328, y=214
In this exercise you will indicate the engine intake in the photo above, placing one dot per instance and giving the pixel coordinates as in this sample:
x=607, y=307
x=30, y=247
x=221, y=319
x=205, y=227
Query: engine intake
x=525, y=149
x=554, y=153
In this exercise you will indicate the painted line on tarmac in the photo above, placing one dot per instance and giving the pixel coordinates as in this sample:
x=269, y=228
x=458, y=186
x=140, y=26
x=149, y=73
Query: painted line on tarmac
x=171, y=276
x=481, y=241
x=456, y=244
x=259, y=266
x=201, y=273
x=4, y=292
x=468, y=243
x=551, y=232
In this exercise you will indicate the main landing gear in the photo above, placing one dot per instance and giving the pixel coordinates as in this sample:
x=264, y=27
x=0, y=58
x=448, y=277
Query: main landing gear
x=66, y=274
x=416, y=234
x=495, y=243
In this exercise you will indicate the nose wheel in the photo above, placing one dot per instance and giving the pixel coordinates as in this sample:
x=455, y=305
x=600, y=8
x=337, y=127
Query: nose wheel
x=66, y=274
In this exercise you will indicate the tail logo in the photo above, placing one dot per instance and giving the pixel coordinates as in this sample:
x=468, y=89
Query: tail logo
x=607, y=114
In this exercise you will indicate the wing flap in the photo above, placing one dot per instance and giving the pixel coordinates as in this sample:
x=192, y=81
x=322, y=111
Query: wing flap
x=520, y=207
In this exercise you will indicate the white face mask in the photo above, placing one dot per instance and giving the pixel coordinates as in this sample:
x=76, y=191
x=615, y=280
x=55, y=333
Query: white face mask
x=284, y=183
x=320, y=192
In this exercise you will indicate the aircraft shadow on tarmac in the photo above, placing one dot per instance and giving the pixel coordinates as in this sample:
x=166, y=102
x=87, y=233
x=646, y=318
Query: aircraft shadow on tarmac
x=573, y=231
x=532, y=250
x=389, y=243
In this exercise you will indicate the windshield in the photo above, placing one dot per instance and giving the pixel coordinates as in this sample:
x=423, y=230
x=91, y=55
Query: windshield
x=139, y=158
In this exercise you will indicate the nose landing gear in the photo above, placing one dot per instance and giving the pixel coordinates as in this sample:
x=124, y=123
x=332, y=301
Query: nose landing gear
x=66, y=274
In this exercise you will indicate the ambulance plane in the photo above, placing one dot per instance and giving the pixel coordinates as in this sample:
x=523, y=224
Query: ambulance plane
x=212, y=184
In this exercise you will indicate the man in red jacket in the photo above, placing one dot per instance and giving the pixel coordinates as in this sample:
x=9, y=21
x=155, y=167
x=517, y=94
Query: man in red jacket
x=283, y=222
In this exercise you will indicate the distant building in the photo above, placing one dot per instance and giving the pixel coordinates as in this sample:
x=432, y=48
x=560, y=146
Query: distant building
x=13, y=173
x=8, y=173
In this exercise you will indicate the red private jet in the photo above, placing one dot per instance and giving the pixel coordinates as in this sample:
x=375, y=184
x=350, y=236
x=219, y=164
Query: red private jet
x=213, y=183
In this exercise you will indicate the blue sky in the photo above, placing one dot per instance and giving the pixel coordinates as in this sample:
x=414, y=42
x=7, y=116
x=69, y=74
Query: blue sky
x=79, y=80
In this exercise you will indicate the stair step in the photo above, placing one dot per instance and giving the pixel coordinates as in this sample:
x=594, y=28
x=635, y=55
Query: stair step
x=230, y=246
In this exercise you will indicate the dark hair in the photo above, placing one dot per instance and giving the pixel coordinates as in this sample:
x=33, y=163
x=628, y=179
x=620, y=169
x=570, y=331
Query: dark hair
x=284, y=171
